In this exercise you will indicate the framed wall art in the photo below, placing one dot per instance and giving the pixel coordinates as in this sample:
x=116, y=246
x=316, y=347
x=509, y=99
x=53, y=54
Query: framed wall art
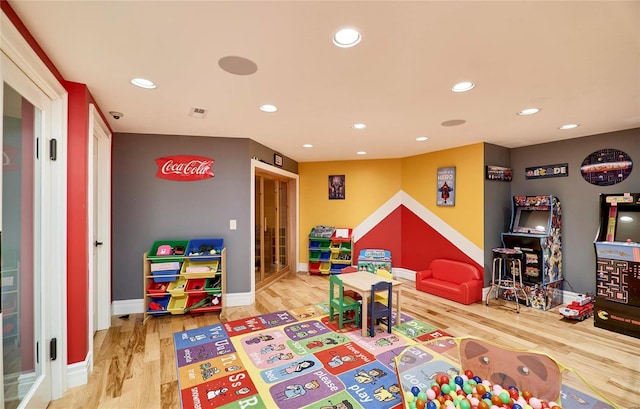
x=446, y=182
x=336, y=187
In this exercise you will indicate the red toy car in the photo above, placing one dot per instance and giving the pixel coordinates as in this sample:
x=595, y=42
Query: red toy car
x=579, y=309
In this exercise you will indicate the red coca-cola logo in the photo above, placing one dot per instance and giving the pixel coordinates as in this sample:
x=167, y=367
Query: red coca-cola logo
x=184, y=168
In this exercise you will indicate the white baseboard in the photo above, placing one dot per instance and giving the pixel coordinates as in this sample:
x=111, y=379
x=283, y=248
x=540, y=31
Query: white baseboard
x=78, y=373
x=302, y=267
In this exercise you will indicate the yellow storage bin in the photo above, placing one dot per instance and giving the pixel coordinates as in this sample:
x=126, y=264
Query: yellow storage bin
x=176, y=288
x=177, y=304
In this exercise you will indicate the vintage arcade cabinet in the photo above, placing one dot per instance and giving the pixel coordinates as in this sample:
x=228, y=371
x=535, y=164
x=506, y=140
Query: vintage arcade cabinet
x=536, y=230
x=617, y=245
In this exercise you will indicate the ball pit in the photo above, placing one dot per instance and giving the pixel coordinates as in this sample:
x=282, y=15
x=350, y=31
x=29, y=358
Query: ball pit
x=467, y=391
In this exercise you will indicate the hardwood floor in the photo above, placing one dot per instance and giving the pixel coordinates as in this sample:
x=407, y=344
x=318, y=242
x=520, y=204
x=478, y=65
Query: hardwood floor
x=135, y=367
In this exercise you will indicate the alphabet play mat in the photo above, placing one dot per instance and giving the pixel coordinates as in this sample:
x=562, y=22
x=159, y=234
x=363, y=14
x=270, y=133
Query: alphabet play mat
x=298, y=359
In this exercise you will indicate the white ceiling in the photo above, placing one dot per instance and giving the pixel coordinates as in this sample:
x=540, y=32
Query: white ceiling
x=578, y=61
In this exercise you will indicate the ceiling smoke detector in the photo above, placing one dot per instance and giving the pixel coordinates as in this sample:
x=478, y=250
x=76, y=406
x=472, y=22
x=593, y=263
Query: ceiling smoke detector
x=199, y=113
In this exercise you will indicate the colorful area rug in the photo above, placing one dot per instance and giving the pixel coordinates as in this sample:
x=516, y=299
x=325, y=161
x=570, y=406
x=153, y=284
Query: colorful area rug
x=297, y=359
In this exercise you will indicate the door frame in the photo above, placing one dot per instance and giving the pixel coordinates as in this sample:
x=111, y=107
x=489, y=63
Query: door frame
x=293, y=197
x=98, y=213
x=54, y=236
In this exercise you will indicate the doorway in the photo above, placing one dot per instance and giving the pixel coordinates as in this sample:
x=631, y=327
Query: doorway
x=275, y=225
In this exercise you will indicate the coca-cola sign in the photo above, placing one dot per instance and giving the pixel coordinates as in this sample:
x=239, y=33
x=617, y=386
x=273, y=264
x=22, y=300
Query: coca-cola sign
x=184, y=168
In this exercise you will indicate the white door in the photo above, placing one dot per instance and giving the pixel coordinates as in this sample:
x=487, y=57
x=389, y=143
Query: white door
x=99, y=221
x=26, y=330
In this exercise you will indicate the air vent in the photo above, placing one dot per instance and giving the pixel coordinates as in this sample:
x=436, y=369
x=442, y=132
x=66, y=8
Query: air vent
x=200, y=113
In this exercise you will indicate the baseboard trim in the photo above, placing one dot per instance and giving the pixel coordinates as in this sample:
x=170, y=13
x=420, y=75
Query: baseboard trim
x=124, y=307
x=78, y=373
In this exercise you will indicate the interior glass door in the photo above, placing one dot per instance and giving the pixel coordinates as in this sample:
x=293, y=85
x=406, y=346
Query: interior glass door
x=272, y=242
x=25, y=381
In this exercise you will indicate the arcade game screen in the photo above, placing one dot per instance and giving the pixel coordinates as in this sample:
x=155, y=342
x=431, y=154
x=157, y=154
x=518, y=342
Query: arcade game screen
x=532, y=221
x=628, y=226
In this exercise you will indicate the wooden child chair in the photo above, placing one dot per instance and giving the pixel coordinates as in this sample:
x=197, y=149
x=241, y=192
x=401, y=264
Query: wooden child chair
x=378, y=310
x=341, y=304
x=382, y=297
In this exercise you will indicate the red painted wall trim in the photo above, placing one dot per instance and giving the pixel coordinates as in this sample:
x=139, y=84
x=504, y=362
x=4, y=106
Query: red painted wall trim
x=77, y=223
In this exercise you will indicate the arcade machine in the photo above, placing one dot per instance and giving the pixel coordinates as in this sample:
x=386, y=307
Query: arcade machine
x=536, y=227
x=617, y=245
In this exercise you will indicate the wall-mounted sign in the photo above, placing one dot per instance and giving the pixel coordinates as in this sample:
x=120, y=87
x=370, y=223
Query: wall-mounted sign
x=547, y=171
x=606, y=167
x=184, y=168
x=277, y=159
x=499, y=173
x=446, y=195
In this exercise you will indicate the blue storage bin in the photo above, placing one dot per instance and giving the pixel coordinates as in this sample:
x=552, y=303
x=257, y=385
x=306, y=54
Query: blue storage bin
x=202, y=248
x=164, y=276
x=158, y=305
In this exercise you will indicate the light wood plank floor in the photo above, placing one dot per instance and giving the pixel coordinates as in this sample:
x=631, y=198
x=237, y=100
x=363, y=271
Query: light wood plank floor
x=135, y=366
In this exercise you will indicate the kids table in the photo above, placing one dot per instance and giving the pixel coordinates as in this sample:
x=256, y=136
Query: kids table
x=361, y=282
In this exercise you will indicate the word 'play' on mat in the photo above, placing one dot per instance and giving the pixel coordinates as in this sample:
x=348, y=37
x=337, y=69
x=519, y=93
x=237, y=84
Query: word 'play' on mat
x=298, y=359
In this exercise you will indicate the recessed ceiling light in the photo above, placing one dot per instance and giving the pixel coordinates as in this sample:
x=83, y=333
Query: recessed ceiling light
x=463, y=86
x=569, y=126
x=143, y=83
x=347, y=37
x=421, y=138
x=307, y=145
x=529, y=111
x=361, y=153
x=268, y=108
x=359, y=126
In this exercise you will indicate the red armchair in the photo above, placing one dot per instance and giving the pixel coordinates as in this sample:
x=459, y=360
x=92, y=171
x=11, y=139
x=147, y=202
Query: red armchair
x=453, y=280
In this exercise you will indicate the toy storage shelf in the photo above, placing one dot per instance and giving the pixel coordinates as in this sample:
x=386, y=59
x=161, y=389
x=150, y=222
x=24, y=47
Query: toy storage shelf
x=330, y=250
x=191, y=282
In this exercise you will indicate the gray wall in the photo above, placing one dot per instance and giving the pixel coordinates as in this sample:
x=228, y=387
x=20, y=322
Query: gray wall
x=147, y=209
x=579, y=199
x=497, y=205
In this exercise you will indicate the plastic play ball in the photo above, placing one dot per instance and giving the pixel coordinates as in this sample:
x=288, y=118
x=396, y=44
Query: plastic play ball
x=464, y=404
x=408, y=396
x=444, y=379
x=445, y=388
x=535, y=403
x=458, y=380
x=468, y=389
x=526, y=395
x=420, y=404
x=513, y=392
x=504, y=396
x=422, y=395
x=477, y=379
x=431, y=394
x=480, y=389
x=469, y=373
x=483, y=405
x=516, y=406
x=436, y=389
x=432, y=404
x=415, y=390
x=495, y=399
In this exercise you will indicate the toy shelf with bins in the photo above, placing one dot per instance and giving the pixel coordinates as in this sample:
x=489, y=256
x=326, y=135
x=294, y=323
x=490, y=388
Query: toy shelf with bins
x=184, y=276
x=330, y=250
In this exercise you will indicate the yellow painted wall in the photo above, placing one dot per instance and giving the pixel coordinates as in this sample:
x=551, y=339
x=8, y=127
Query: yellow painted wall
x=419, y=181
x=370, y=183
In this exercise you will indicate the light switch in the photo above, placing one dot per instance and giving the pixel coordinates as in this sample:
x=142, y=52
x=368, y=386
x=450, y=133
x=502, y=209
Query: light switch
x=232, y=225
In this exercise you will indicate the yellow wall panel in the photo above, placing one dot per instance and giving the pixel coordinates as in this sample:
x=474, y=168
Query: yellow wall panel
x=369, y=183
x=419, y=180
